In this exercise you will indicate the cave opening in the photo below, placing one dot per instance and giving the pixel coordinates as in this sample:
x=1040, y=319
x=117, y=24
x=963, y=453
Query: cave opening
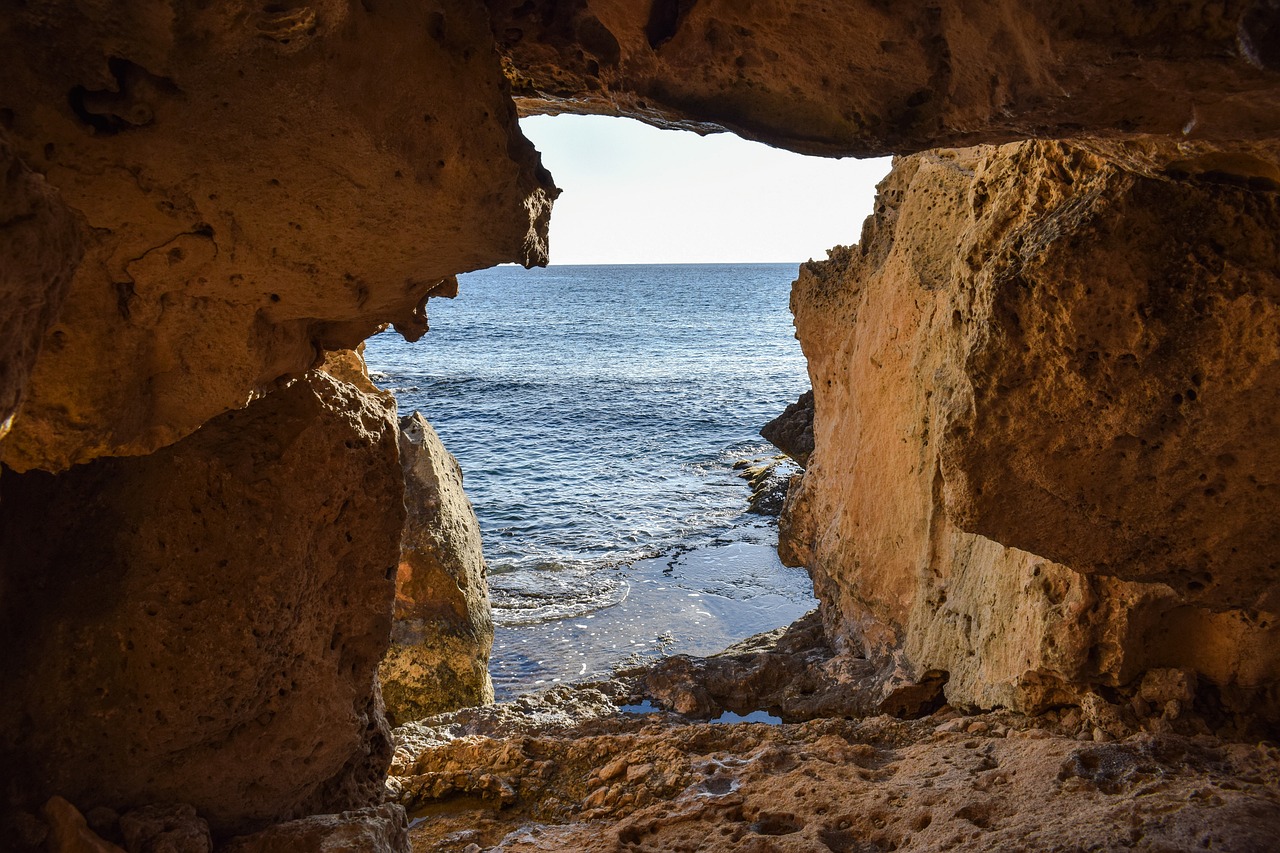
x=606, y=409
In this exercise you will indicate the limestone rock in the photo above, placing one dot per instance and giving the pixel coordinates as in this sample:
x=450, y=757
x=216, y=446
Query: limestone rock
x=259, y=183
x=165, y=829
x=1034, y=347
x=68, y=831
x=204, y=624
x=792, y=431
x=999, y=781
x=868, y=78
x=376, y=829
x=443, y=631
x=40, y=248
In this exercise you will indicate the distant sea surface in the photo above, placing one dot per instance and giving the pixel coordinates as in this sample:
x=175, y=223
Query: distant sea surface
x=597, y=412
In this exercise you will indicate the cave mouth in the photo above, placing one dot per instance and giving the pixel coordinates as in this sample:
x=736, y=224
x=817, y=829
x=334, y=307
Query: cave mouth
x=606, y=410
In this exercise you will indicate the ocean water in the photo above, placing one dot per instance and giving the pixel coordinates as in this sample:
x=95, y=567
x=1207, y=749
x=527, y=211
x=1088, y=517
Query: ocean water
x=597, y=412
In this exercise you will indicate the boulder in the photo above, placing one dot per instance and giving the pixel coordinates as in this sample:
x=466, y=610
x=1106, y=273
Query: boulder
x=1044, y=457
x=443, y=631
x=204, y=624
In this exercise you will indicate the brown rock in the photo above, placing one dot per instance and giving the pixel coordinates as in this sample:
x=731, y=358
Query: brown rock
x=997, y=327
x=40, y=247
x=165, y=829
x=377, y=829
x=68, y=831
x=868, y=78
x=442, y=633
x=840, y=784
x=792, y=431
x=204, y=624
x=261, y=182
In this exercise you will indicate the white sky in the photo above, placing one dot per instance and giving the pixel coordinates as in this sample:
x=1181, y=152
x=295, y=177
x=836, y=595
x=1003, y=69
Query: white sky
x=636, y=194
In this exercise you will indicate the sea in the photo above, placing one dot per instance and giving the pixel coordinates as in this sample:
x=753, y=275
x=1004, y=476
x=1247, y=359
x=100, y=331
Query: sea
x=597, y=413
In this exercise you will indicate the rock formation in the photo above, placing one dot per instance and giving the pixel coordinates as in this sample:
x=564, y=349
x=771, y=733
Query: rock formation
x=252, y=191
x=792, y=431
x=1043, y=454
x=1044, y=382
x=869, y=78
x=442, y=633
x=204, y=624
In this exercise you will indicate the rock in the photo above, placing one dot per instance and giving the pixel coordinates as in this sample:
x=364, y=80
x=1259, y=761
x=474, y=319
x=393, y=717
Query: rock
x=1000, y=365
x=253, y=193
x=769, y=479
x=442, y=633
x=204, y=624
x=792, y=431
x=68, y=831
x=658, y=782
x=867, y=78
x=376, y=829
x=40, y=246
x=165, y=829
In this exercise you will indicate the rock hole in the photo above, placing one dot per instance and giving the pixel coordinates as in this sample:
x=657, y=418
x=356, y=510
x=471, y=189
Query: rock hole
x=665, y=17
x=776, y=824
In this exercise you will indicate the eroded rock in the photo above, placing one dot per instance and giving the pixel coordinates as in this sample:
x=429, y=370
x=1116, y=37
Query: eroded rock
x=792, y=431
x=40, y=246
x=442, y=633
x=204, y=624
x=1029, y=350
x=259, y=183
x=376, y=829
x=867, y=78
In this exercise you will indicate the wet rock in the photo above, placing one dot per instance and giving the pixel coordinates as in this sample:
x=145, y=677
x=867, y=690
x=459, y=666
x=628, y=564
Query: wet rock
x=443, y=631
x=792, y=431
x=377, y=829
x=769, y=478
x=205, y=623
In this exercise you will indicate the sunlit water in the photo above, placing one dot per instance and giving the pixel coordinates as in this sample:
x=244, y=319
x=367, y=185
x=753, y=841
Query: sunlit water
x=597, y=412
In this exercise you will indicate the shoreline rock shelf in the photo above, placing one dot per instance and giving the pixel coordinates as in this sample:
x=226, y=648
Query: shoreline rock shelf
x=1043, y=474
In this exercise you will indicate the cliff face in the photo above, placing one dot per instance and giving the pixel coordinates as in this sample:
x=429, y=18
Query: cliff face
x=1043, y=388
x=1044, y=382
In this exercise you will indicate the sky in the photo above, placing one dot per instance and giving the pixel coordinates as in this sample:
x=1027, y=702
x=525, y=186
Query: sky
x=636, y=194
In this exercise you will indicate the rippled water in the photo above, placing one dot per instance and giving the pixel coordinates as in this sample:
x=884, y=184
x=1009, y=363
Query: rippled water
x=597, y=412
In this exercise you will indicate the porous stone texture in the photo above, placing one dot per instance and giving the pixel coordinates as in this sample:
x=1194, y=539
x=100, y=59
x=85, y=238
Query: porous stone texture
x=869, y=78
x=376, y=829
x=580, y=780
x=443, y=630
x=40, y=247
x=165, y=829
x=203, y=625
x=1044, y=438
x=258, y=182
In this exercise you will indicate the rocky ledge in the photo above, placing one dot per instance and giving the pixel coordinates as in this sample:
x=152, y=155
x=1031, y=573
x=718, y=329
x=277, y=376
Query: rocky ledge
x=567, y=770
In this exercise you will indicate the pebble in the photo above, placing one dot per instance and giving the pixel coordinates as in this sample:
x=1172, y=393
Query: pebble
x=978, y=727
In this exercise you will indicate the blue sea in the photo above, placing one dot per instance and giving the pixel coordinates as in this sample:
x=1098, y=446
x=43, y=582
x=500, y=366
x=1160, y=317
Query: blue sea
x=597, y=413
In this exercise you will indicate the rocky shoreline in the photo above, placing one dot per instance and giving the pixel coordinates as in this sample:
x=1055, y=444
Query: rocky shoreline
x=567, y=770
